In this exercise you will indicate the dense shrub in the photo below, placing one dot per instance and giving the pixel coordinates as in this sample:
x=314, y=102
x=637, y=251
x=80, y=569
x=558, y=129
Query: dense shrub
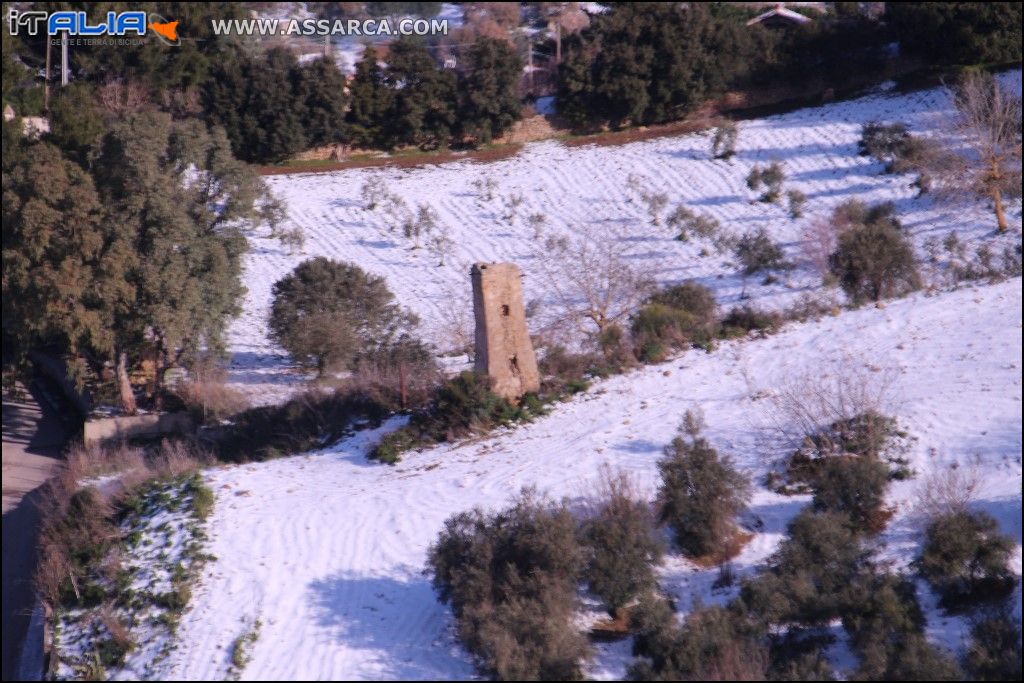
x=994, y=651
x=304, y=422
x=715, y=643
x=687, y=223
x=510, y=578
x=563, y=372
x=742, y=320
x=886, y=628
x=869, y=435
x=872, y=260
x=958, y=32
x=701, y=494
x=673, y=318
x=883, y=142
x=807, y=578
x=620, y=544
x=965, y=558
x=855, y=487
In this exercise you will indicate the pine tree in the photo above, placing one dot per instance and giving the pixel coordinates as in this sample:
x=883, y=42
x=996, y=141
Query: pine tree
x=489, y=91
x=422, y=111
x=323, y=87
x=370, y=101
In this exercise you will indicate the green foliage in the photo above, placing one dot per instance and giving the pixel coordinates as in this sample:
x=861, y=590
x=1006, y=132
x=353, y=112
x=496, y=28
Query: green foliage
x=965, y=557
x=886, y=628
x=807, y=578
x=715, y=643
x=510, y=578
x=958, y=32
x=700, y=496
x=621, y=546
x=758, y=254
x=643, y=63
x=272, y=107
x=673, y=318
x=873, y=260
x=742, y=320
x=854, y=486
x=329, y=314
x=423, y=101
x=54, y=243
x=370, y=101
x=76, y=123
x=723, y=144
x=770, y=178
x=489, y=90
x=994, y=650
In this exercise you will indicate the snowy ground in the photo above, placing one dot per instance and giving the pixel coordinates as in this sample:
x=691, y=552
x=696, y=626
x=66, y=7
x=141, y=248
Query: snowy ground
x=327, y=549
x=584, y=189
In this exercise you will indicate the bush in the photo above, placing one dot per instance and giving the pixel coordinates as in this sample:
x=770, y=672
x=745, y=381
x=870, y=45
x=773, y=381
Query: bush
x=872, y=260
x=715, y=643
x=701, y=494
x=855, y=487
x=758, y=254
x=564, y=373
x=510, y=578
x=674, y=317
x=797, y=201
x=620, y=545
x=882, y=142
x=207, y=396
x=742, y=320
x=886, y=628
x=770, y=178
x=329, y=314
x=807, y=578
x=965, y=558
x=994, y=651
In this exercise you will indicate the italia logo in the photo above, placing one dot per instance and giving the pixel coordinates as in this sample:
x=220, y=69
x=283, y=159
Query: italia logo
x=78, y=24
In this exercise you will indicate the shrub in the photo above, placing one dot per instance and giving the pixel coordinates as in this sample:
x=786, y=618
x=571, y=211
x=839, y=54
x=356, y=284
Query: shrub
x=715, y=643
x=328, y=314
x=965, y=558
x=807, y=578
x=208, y=397
x=873, y=260
x=701, y=494
x=563, y=372
x=855, y=487
x=686, y=222
x=510, y=578
x=886, y=628
x=994, y=651
x=770, y=178
x=883, y=142
x=742, y=320
x=674, y=317
x=620, y=544
x=758, y=254
x=723, y=145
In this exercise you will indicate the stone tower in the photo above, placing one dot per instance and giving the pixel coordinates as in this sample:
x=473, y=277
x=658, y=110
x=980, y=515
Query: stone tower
x=503, y=349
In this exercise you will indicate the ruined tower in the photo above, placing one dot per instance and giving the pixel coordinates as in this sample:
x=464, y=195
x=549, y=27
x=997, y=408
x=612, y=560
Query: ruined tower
x=503, y=349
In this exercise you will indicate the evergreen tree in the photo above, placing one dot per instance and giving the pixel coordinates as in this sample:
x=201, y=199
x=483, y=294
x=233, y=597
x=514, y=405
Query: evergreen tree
x=958, y=32
x=179, y=202
x=422, y=111
x=489, y=90
x=323, y=87
x=370, y=101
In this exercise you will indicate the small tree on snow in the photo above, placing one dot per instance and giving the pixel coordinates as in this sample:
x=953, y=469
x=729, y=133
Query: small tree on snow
x=374, y=192
x=770, y=178
x=723, y=144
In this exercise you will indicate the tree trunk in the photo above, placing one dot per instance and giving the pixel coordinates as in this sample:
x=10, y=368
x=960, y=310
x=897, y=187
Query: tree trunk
x=997, y=199
x=124, y=385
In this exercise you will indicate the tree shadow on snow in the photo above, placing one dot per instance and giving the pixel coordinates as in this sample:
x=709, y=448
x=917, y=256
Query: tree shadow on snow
x=403, y=629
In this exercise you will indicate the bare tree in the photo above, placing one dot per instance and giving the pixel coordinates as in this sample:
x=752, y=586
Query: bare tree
x=592, y=279
x=988, y=121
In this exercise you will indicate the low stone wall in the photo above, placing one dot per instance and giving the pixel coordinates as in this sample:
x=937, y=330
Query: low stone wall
x=137, y=426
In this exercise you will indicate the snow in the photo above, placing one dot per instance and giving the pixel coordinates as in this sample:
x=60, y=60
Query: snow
x=581, y=190
x=327, y=549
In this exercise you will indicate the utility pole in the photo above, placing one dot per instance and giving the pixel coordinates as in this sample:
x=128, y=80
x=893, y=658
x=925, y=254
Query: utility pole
x=64, y=66
x=46, y=86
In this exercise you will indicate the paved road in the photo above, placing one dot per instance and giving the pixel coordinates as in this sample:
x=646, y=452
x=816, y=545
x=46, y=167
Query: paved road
x=33, y=437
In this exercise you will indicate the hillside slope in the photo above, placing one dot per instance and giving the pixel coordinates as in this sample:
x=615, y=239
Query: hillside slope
x=327, y=549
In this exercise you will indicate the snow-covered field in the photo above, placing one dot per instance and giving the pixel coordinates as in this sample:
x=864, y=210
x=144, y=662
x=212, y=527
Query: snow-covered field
x=327, y=549
x=581, y=190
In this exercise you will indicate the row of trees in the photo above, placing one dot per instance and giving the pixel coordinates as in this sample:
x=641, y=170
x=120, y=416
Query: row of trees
x=643, y=63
